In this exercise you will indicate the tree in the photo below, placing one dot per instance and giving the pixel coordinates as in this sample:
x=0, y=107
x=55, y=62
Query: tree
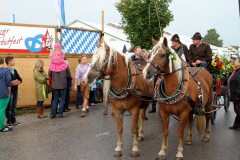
x=135, y=20
x=212, y=37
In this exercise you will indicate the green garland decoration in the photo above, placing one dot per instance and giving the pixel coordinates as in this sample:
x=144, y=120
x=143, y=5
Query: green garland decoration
x=169, y=53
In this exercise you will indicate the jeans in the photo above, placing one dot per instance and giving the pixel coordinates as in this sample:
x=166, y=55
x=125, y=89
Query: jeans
x=67, y=98
x=58, y=93
x=79, y=100
x=11, y=108
x=204, y=64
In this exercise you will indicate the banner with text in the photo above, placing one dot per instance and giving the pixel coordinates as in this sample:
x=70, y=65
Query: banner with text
x=24, y=39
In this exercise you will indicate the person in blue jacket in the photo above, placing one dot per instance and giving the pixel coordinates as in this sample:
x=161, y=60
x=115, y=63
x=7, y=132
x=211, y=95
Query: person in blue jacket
x=5, y=88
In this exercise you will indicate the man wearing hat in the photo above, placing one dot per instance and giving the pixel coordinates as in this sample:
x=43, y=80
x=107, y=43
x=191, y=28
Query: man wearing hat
x=179, y=47
x=199, y=54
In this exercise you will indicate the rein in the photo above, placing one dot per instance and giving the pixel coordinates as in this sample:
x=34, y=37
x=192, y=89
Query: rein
x=120, y=77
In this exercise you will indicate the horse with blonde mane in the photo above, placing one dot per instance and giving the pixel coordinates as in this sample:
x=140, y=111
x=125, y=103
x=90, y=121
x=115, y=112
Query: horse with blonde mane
x=181, y=91
x=127, y=90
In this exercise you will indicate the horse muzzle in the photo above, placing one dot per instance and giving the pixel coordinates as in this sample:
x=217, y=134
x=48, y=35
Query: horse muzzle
x=149, y=74
x=92, y=78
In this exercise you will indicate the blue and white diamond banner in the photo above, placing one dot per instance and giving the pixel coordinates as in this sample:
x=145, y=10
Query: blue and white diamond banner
x=77, y=41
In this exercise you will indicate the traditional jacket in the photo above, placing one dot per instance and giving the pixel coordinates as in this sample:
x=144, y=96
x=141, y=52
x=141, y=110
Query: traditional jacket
x=202, y=53
x=185, y=49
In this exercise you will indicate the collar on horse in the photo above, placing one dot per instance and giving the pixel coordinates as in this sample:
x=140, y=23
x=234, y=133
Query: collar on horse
x=131, y=86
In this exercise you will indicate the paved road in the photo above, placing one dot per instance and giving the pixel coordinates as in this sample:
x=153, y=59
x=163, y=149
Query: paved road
x=80, y=138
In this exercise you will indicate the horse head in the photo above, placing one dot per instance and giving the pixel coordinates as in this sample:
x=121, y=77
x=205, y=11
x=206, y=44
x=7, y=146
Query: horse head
x=158, y=56
x=100, y=65
x=161, y=58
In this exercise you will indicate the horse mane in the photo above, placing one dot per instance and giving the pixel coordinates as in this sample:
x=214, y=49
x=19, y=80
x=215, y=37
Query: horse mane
x=100, y=56
x=177, y=63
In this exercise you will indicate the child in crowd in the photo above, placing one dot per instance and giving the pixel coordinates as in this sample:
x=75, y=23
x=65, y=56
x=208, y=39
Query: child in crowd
x=79, y=100
x=12, y=105
x=67, y=98
x=92, y=100
x=57, y=56
x=85, y=88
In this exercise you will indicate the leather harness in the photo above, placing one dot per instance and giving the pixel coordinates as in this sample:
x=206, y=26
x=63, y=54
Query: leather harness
x=181, y=92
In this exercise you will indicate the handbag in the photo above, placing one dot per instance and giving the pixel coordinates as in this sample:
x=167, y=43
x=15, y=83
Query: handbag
x=49, y=90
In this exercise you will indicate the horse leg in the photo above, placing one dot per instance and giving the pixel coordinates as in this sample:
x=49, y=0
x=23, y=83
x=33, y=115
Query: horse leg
x=189, y=134
x=207, y=130
x=183, y=121
x=119, y=117
x=165, y=122
x=135, y=114
x=141, y=119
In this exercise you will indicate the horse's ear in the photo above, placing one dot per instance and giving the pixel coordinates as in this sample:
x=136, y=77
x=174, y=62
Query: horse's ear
x=154, y=41
x=165, y=42
x=106, y=46
x=98, y=45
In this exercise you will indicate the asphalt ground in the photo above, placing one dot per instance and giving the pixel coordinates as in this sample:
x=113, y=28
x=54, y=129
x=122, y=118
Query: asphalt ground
x=94, y=137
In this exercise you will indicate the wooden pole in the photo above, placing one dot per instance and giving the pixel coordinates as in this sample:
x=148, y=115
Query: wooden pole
x=102, y=39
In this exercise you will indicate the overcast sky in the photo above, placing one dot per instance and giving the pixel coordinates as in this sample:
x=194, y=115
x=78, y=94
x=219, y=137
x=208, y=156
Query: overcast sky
x=190, y=16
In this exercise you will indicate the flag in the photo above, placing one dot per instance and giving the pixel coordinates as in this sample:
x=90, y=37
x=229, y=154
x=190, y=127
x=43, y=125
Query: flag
x=12, y=18
x=1, y=11
x=239, y=6
x=59, y=8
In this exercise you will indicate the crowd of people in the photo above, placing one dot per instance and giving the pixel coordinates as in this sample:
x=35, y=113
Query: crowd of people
x=60, y=81
x=57, y=80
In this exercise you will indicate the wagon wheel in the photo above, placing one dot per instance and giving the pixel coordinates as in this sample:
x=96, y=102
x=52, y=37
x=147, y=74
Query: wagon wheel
x=214, y=104
x=226, y=102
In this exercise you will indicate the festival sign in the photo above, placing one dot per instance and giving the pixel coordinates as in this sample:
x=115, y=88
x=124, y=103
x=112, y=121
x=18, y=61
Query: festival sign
x=24, y=39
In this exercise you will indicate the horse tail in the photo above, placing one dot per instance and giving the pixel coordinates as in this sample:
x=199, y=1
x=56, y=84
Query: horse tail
x=200, y=123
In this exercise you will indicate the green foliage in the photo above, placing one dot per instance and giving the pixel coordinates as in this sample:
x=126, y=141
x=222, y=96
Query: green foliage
x=135, y=20
x=212, y=37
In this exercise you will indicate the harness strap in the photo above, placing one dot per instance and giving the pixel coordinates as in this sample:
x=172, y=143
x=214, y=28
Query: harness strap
x=196, y=110
x=195, y=71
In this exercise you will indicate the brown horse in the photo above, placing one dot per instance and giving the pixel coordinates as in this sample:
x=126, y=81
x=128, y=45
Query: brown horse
x=173, y=92
x=122, y=85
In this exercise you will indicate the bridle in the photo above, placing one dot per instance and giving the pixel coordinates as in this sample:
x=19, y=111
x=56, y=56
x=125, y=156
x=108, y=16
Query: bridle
x=159, y=70
x=104, y=65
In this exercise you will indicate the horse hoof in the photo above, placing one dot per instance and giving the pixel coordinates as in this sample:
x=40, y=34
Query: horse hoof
x=117, y=153
x=160, y=157
x=140, y=138
x=188, y=142
x=205, y=139
x=179, y=158
x=135, y=153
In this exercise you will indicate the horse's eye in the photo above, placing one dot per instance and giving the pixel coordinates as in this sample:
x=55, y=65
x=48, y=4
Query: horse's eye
x=162, y=55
